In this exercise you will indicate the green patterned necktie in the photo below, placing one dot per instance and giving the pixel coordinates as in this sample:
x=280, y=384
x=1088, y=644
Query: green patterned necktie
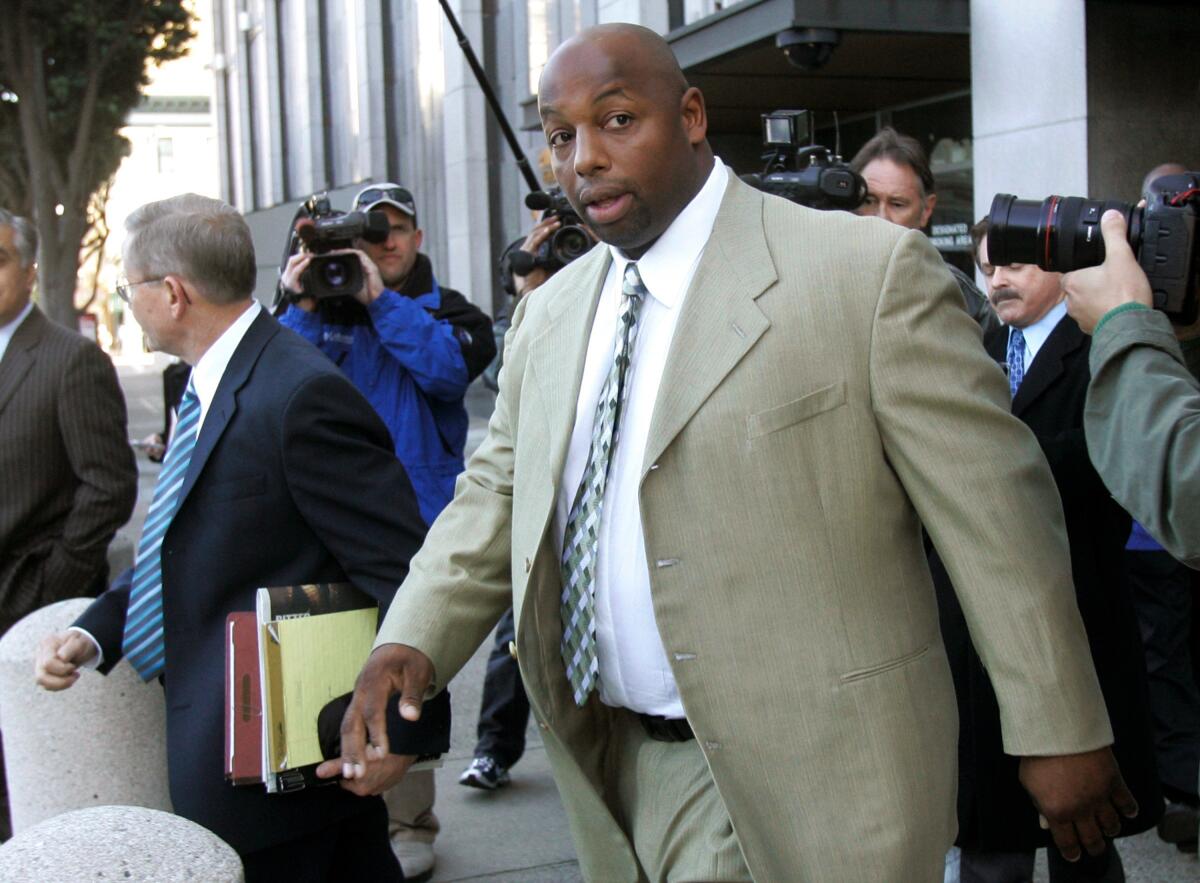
x=582, y=534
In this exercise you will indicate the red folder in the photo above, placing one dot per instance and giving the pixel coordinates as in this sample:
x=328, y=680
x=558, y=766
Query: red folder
x=243, y=700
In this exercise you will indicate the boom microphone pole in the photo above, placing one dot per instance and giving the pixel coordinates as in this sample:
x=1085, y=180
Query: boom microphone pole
x=493, y=103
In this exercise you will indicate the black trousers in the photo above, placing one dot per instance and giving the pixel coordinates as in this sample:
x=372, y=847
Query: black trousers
x=356, y=848
x=504, y=710
x=1017, y=867
x=1163, y=599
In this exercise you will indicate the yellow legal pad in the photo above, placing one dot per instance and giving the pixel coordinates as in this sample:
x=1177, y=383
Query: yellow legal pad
x=309, y=661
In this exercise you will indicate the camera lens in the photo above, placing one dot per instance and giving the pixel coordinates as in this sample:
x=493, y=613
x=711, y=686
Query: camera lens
x=569, y=243
x=332, y=276
x=1058, y=234
x=334, y=272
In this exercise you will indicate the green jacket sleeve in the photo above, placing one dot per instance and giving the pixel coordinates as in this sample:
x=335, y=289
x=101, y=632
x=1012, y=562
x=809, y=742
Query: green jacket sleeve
x=1142, y=422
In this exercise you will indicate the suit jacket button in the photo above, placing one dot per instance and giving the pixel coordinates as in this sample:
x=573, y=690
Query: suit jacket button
x=542, y=726
x=512, y=649
x=528, y=565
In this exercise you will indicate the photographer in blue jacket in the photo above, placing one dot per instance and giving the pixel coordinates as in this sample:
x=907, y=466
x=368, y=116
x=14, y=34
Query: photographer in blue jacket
x=412, y=347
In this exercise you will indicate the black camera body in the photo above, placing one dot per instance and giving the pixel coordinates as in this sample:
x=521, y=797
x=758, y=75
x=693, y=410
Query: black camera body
x=323, y=230
x=809, y=175
x=1062, y=233
x=569, y=241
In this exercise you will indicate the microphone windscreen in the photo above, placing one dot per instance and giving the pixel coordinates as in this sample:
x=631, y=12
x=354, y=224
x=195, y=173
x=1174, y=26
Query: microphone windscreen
x=538, y=200
x=306, y=229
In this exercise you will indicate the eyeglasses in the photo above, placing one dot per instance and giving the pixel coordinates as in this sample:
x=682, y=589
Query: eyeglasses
x=124, y=286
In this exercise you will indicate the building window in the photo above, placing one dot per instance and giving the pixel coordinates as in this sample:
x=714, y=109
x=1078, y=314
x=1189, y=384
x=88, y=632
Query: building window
x=166, y=156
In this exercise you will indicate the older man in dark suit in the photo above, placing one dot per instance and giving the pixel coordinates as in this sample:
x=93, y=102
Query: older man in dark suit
x=1046, y=355
x=279, y=472
x=66, y=467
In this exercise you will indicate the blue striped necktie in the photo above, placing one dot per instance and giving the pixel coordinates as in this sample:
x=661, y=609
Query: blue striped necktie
x=1016, y=360
x=143, y=644
x=581, y=537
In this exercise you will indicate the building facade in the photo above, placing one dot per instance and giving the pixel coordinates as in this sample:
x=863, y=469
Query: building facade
x=1030, y=97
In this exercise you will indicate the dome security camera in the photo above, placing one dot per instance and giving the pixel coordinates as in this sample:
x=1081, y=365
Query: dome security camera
x=808, y=48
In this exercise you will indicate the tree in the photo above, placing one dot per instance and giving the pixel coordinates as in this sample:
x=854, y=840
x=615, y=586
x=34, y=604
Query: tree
x=76, y=69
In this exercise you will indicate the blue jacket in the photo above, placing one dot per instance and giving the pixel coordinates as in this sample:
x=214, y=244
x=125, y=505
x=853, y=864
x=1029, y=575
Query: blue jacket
x=413, y=360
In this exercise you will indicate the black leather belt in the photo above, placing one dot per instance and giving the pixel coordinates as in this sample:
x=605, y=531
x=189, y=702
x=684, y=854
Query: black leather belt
x=666, y=729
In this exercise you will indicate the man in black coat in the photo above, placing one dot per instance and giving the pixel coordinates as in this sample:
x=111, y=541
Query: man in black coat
x=291, y=479
x=1046, y=356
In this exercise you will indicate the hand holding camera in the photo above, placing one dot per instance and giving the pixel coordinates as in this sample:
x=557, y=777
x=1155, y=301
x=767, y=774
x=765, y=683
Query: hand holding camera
x=299, y=271
x=1093, y=291
x=523, y=283
x=332, y=267
x=1064, y=233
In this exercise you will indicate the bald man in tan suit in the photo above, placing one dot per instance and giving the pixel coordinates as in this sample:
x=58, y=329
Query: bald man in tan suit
x=802, y=391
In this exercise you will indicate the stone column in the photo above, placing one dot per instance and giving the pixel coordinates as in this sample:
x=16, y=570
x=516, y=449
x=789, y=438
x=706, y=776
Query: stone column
x=128, y=843
x=102, y=741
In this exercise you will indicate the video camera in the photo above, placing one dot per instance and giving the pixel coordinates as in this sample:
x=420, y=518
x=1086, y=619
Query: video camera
x=809, y=175
x=322, y=230
x=568, y=242
x=1062, y=233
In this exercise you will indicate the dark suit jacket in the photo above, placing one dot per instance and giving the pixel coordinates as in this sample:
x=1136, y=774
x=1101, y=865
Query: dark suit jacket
x=66, y=469
x=292, y=480
x=995, y=813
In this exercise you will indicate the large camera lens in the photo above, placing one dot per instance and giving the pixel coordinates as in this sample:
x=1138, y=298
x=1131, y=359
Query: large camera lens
x=569, y=243
x=1058, y=234
x=333, y=276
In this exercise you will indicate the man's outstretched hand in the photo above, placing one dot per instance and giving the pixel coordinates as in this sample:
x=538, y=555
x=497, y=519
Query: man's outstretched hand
x=390, y=669
x=1081, y=798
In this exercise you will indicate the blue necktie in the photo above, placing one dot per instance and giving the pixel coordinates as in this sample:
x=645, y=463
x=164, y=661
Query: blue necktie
x=143, y=644
x=1016, y=360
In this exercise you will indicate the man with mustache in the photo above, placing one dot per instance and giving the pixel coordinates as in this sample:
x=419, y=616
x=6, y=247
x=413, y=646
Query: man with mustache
x=700, y=494
x=1046, y=355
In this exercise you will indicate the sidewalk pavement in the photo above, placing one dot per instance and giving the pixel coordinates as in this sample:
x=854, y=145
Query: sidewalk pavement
x=519, y=833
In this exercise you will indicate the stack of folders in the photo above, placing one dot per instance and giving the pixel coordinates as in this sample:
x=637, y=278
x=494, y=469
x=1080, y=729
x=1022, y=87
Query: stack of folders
x=303, y=647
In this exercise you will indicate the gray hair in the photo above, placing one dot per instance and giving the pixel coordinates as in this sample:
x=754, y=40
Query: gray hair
x=204, y=240
x=25, y=236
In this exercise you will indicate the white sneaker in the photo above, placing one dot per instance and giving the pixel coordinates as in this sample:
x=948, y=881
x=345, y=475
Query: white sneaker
x=416, y=859
x=484, y=773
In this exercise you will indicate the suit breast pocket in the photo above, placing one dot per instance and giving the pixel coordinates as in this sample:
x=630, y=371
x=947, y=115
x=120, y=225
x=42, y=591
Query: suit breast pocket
x=796, y=411
x=237, y=488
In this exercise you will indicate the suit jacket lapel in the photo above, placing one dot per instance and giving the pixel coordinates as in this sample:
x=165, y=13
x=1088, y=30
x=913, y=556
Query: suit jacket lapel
x=720, y=320
x=562, y=347
x=1047, y=365
x=224, y=403
x=20, y=355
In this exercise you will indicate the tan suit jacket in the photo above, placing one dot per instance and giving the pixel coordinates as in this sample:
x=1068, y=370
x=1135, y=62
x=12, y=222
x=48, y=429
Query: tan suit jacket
x=825, y=395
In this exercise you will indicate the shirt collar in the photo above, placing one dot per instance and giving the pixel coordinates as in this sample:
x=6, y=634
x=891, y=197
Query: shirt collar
x=668, y=261
x=1037, y=333
x=7, y=332
x=208, y=371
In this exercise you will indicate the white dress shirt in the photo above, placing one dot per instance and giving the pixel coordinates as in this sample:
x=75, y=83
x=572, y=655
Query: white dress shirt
x=634, y=671
x=7, y=332
x=208, y=371
x=206, y=377
x=1037, y=333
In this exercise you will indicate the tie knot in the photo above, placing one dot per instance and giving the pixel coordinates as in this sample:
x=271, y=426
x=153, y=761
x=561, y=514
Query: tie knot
x=633, y=287
x=189, y=394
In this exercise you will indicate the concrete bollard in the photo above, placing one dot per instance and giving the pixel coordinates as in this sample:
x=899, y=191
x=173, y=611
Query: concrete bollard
x=128, y=843
x=103, y=741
